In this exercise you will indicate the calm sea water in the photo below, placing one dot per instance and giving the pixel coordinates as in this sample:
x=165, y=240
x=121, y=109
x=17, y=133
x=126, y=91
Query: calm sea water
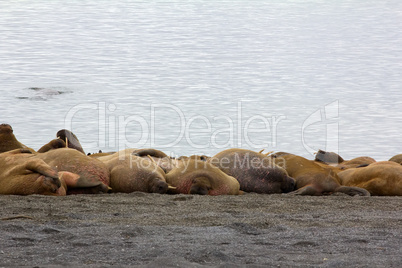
x=192, y=77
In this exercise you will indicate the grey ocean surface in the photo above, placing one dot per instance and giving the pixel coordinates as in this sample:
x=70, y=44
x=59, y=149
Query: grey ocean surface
x=197, y=77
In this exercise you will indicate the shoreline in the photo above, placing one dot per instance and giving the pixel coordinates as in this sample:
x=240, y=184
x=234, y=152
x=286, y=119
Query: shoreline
x=154, y=230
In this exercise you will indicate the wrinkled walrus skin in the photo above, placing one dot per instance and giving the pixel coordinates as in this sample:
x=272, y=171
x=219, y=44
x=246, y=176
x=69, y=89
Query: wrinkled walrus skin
x=199, y=177
x=131, y=173
x=313, y=179
x=94, y=175
x=21, y=173
x=380, y=178
x=254, y=171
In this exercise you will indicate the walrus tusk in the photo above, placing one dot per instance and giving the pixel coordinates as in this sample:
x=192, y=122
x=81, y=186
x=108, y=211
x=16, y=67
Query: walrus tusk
x=261, y=151
x=172, y=187
x=66, y=142
x=269, y=153
x=153, y=161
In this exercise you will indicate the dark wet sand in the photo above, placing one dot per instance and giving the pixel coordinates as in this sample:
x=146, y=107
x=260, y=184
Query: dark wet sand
x=152, y=230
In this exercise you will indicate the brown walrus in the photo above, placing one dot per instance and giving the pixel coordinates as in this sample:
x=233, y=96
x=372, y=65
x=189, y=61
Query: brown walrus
x=338, y=164
x=313, y=179
x=356, y=162
x=200, y=177
x=131, y=173
x=8, y=141
x=70, y=139
x=94, y=175
x=379, y=178
x=397, y=159
x=22, y=173
x=255, y=172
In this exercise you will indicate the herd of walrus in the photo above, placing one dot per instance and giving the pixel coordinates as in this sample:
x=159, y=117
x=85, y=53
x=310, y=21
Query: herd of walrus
x=61, y=167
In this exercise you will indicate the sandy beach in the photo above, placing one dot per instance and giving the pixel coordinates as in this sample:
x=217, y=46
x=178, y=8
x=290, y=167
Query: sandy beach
x=153, y=230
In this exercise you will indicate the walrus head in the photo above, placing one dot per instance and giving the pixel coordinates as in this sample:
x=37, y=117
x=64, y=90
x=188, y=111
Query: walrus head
x=201, y=185
x=6, y=129
x=70, y=139
x=159, y=186
x=328, y=157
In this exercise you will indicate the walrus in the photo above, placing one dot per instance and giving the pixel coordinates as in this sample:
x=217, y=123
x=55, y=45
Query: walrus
x=338, y=164
x=313, y=179
x=255, y=172
x=70, y=139
x=328, y=157
x=8, y=141
x=397, y=159
x=379, y=178
x=94, y=176
x=200, y=177
x=131, y=173
x=360, y=161
x=53, y=144
x=22, y=173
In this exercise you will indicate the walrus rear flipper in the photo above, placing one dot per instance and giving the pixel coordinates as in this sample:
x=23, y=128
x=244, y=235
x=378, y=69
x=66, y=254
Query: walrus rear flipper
x=352, y=191
x=306, y=190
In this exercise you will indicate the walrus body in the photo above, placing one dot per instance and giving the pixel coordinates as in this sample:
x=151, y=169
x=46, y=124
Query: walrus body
x=94, y=175
x=200, y=177
x=356, y=162
x=254, y=171
x=380, y=178
x=131, y=173
x=21, y=173
x=397, y=159
x=313, y=179
x=8, y=141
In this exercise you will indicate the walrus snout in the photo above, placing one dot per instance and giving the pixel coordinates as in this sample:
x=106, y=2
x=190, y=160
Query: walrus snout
x=288, y=185
x=199, y=189
x=160, y=187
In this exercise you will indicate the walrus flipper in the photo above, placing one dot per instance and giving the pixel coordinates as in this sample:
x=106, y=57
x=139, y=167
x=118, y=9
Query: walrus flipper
x=39, y=166
x=306, y=190
x=352, y=191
